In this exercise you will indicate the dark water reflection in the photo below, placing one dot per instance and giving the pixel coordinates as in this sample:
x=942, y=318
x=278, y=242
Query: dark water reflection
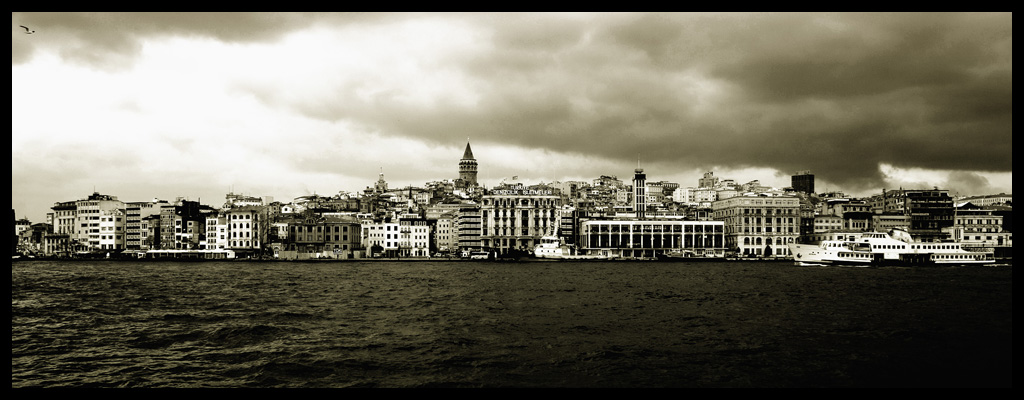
x=478, y=324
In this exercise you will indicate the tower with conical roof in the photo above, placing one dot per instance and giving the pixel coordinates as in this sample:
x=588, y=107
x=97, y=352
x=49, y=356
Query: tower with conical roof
x=467, y=166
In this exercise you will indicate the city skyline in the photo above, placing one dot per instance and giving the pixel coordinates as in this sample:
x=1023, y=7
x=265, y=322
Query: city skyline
x=196, y=105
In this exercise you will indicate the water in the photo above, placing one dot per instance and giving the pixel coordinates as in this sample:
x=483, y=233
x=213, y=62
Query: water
x=486, y=324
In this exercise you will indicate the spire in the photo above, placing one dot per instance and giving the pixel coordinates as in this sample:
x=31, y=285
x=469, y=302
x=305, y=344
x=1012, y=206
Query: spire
x=468, y=155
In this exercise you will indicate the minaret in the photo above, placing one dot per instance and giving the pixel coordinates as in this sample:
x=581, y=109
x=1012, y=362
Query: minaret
x=467, y=166
x=639, y=191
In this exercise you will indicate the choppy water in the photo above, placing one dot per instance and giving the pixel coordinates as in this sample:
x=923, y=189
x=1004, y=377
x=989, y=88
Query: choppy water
x=480, y=324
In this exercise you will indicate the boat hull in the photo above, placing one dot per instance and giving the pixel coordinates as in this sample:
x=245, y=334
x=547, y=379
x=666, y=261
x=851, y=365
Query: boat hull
x=679, y=258
x=815, y=255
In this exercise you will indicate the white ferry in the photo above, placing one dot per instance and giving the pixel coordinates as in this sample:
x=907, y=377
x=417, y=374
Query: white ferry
x=550, y=247
x=879, y=248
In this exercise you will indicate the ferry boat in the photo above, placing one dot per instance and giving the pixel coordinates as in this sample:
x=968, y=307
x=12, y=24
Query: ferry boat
x=880, y=248
x=550, y=247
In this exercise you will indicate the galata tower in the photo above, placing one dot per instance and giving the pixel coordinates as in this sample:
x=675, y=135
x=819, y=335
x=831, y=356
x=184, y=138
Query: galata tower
x=467, y=166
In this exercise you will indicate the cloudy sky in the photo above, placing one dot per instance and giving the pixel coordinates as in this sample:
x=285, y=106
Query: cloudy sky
x=167, y=105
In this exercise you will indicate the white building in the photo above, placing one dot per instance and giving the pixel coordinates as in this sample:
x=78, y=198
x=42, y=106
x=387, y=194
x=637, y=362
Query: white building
x=636, y=238
x=705, y=196
x=517, y=218
x=216, y=233
x=379, y=233
x=242, y=228
x=414, y=237
x=684, y=196
x=87, y=221
x=446, y=234
x=111, y=229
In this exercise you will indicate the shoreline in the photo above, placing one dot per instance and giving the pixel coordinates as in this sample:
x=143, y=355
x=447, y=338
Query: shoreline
x=999, y=262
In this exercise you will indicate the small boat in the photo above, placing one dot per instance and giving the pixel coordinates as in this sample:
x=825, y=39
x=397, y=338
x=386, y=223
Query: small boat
x=480, y=255
x=880, y=248
x=550, y=247
x=691, y=255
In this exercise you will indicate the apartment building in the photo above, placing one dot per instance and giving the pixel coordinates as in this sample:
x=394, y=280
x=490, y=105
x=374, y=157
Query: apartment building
x=517, y=218
x=759, y=225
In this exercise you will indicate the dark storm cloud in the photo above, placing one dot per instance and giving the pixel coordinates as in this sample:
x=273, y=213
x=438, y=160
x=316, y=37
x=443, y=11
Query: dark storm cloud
x=837, y=94
x=112, y=40
x=834, y=93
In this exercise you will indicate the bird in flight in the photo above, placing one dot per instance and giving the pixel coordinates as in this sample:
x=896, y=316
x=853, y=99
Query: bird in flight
x=27, y=31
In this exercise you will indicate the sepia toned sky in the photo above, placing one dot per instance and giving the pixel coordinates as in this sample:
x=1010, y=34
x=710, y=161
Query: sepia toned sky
x=195, y=105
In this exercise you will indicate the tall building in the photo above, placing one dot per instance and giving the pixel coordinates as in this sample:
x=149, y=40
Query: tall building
x=467, y=167
x=245, y=231
x=708, y=181
x=639, y=193
x=803, y=182
x=446, y=236
x=134, y=213
x=468, y=223
x=99, y=222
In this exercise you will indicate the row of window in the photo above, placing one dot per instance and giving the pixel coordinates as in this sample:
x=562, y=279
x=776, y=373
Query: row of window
x=979, y=222
x=768, y=229
x=757, y=241
x=306, y=238
x=957, y=257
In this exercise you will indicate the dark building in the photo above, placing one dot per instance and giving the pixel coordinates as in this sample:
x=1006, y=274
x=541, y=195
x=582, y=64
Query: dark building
x=469, y=227
x=930, y=210
x=640, y=193
x=181, y=226
x=803, y=181
x=315, y=236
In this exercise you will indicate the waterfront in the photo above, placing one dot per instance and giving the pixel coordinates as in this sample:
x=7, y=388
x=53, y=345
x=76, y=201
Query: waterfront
x=491, y=324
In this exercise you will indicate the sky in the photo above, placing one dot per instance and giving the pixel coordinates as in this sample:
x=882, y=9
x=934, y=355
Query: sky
x=197, y=105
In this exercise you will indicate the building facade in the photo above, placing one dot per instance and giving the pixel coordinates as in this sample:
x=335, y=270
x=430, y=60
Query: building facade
x=635, y=238
x=517, y=220
x=314, y=236
x=758, y=225
x=931, y=211
x=134, y=213
x=469, y=227
x=380, y=237
x=414, y=237
x=88, y=230
x=446, y=237
x=979, y=226
x=244, y=229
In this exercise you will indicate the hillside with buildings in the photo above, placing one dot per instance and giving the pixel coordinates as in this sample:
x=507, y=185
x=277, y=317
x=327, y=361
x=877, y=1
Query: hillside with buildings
x=636, y=218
